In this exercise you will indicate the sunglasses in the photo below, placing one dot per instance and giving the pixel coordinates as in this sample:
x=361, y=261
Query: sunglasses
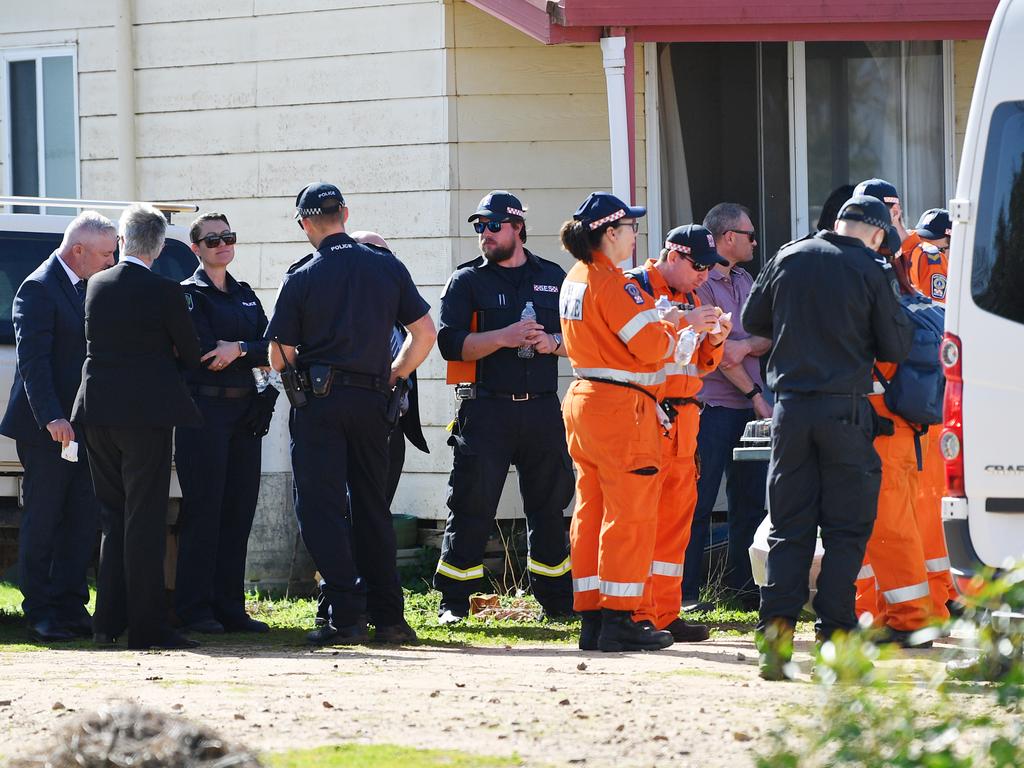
x=212, y=241
x=635, y=225
x=748, y=232
x=493, y=226
x=697, y=267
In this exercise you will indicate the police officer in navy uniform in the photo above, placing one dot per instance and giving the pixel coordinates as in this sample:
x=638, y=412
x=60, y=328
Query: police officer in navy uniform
x=332, y=322
x=831, y=313
x=219, y=463
x=508, y=410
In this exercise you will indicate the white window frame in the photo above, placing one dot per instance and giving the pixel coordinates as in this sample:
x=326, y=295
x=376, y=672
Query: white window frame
x=798, y=130
x=37, y=54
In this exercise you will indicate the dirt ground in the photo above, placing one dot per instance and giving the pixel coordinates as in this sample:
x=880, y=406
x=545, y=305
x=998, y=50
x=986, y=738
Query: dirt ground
x=691, y=705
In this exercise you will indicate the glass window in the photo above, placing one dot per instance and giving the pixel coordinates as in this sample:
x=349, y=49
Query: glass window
x=997, y=274
x=43, y=127
x=20, y=253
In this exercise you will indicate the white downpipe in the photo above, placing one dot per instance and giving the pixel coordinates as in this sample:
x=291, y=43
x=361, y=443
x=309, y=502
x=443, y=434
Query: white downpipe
x=125, y=101
x=652, y=115
x=614, y=51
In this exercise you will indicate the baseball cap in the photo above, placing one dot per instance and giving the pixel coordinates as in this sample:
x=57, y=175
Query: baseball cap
x=499, y=205
x=310, y=201
x=879, y=188
x=696, y=242
x=867, y=209
x=934, y=224
x=603, y=208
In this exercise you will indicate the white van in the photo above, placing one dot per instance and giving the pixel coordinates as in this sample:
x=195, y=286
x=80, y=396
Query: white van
x=983, y=350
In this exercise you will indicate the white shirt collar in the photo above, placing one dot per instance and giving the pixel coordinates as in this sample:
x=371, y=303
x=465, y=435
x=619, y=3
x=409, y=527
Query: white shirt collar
x=133, y=260
x=70, y=273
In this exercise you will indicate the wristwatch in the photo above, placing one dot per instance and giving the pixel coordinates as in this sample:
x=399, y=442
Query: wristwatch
x=755, y=391
x=243, y=349
x=558, y=340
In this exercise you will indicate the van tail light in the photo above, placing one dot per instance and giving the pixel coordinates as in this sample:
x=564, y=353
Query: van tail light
x=951, y=438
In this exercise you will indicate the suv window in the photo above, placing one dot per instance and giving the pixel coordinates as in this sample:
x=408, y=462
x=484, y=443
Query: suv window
x=997, y=276
x=22, y=252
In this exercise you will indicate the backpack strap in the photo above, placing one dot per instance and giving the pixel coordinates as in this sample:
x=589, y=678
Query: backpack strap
x=640, y=276
x=881, y=378
x=919, y=432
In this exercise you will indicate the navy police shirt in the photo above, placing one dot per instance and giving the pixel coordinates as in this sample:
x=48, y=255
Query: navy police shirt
x=234, y=314
x=497, y=295
x=338, y=306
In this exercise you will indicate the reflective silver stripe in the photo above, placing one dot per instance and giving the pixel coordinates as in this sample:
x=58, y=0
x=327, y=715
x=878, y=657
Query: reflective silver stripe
x=548, y=570
x=675, y=369
x=622, y=588
x=877, y=388
x=637, y=323
x=446, y=569
x=866, y=572
x=906, y=594
x=647, y=379
x=937, y=565
x=586, y=584
x=661, y=568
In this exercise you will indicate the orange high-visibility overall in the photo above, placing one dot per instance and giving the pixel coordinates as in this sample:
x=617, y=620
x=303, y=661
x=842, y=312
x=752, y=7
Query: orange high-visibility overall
x=928, y=267
x=892, y=584
x=612, y=331
x=663, y=591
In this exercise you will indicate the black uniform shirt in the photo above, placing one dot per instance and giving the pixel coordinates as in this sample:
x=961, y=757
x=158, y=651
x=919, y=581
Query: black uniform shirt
x=498, y=294
x=830, y=312
x=231, y=315
x=338, y=306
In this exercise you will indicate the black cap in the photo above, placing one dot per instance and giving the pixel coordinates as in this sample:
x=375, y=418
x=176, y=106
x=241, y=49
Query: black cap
x=697, y=243
x=603, y=208
x=867, y=209
x=879, y=188
x=934, y=224
x=499, y=205
x=310, y=201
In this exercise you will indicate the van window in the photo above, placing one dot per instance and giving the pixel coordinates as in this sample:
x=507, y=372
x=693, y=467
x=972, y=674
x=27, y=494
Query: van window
x=997, y=277
x=22, y=252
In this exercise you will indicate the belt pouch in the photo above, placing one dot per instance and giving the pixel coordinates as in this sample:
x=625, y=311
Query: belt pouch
x=320, y=377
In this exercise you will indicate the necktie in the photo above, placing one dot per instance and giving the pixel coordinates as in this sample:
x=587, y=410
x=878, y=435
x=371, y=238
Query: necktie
x=80, y=288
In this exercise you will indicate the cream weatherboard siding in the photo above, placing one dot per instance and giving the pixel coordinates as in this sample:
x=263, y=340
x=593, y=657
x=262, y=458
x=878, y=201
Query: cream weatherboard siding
x=966, y=58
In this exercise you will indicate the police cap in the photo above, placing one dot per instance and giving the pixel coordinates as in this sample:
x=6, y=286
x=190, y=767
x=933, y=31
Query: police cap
x=879, y=188
x=499, y=205
x=603, y=208
x=867, y=209
x=317, y=198
x=934, y=224
x=695, y=242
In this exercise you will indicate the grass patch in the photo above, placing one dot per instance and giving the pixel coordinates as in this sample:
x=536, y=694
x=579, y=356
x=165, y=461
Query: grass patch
x=383, y=756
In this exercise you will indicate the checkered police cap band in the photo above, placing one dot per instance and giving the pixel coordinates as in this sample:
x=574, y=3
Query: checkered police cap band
x=307, y=212
x=856, y=213
x=515, y=212
x=607, y=219
x=670, y=246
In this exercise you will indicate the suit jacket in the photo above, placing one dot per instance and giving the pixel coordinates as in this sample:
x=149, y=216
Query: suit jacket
x=410, y=420
x=49, y=327
x=134, y=321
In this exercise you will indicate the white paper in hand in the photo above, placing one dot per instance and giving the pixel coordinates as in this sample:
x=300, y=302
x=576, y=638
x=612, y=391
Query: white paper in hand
x=70, y=451
x=718, y=323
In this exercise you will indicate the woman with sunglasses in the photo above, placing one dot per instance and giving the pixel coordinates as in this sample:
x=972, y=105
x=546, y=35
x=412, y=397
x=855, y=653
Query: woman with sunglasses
x=219, y=463
x=618, y=342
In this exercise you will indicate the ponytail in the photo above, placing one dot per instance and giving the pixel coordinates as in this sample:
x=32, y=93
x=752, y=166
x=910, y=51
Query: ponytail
x=581, y=241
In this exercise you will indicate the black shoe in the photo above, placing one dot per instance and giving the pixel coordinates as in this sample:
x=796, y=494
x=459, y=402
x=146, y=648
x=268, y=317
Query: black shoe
x=50, y=631
x=904, y=638
x=590, y=630
x=246, y=624
x=169, y=641
x=956, y=608
x=204, y=627
x=352, y=634
x=395, y=634
x=687, y=632
x=81, y=627
x=620, y=633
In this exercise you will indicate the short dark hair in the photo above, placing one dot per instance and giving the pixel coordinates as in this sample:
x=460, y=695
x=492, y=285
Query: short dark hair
x=197, y=225
x=580, y=240
x=522, y=230
x=724, y=217
x=328, y=215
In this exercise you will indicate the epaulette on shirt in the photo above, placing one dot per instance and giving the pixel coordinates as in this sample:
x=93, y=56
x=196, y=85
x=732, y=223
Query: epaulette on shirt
x=300, y=262
x=378, y=248
x=932, y=252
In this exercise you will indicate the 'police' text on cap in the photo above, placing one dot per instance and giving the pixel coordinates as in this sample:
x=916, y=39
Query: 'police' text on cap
x=695, y=242
x=317, y=198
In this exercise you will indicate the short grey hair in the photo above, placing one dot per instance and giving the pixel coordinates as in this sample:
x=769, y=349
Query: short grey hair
x=143, y=228
x=85, y=225
x=725, y=216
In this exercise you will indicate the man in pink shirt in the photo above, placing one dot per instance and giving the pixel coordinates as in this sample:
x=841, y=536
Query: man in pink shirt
x=732, y=396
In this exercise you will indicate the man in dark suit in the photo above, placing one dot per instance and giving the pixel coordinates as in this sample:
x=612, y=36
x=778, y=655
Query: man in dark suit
x=139, y=334
x=58, y=524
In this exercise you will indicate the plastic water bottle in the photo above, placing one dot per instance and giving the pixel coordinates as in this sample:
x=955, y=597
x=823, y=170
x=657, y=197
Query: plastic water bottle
x=663, y=305
x=529, y=313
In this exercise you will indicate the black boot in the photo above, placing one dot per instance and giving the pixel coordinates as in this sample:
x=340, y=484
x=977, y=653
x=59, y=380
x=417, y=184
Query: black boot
x=620, y=633
x=590, y=629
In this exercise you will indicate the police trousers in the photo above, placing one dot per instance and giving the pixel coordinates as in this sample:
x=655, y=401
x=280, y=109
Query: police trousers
x=825, y=474
x=490, y=434
x=339, y=446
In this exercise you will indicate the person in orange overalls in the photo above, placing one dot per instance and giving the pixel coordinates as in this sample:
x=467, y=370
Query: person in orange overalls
x=680, y=270
x=618, y=343
x=928, y=266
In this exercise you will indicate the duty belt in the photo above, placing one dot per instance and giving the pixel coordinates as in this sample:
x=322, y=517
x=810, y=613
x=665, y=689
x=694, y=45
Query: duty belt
x=516, y=396
x=680, y=401
x=348, y=379
x=230, y=392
